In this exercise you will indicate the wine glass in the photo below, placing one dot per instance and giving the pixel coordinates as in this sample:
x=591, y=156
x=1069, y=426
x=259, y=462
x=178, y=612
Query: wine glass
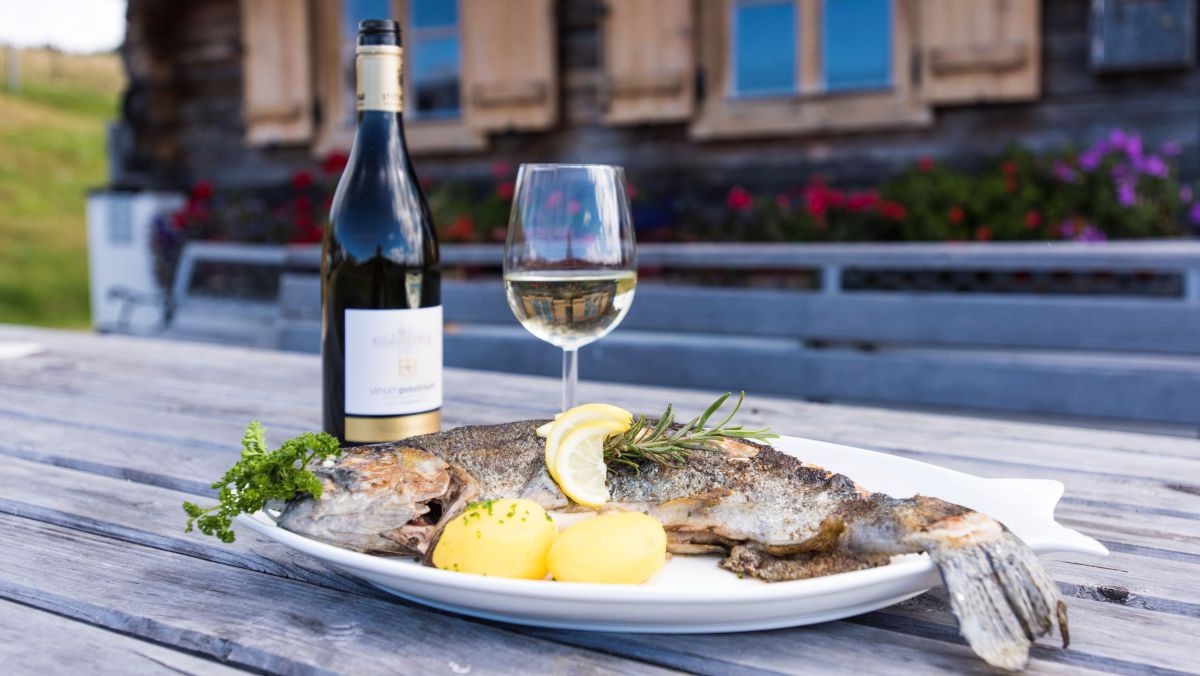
x=570, y=266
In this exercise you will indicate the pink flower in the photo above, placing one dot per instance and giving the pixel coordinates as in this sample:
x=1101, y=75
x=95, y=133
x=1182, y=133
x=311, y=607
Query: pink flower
x=554, y=199
x=573, y=207
x=1185, y=194
x=630, y=191
x=738, y=199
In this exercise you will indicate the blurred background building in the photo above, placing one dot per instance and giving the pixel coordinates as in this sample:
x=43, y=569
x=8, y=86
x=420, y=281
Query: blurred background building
x=703, y=94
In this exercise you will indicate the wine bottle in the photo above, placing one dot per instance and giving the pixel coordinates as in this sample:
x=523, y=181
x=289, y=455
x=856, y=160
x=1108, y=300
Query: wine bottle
x=381, y=329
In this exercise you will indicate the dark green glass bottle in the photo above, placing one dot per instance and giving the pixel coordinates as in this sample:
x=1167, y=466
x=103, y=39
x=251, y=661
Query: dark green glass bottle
x=381, y=330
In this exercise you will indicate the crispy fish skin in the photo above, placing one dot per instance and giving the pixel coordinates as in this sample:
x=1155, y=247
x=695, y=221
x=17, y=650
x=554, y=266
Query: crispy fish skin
x=773, y=517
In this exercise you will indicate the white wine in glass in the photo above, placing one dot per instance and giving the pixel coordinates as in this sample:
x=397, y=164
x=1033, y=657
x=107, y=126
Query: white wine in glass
x=570, y=266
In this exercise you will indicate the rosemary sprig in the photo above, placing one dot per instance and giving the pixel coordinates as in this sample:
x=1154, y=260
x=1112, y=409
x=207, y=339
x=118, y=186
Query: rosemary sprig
x=670, y=445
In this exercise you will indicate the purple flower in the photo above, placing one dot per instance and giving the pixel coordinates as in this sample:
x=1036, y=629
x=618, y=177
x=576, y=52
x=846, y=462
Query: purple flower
x=1126, y=195
x=1091, y=234
x=1185, y=194
x=1170, y=148
x=1133, y=146
x=1090, y=159
x=1066, y=229
x=1063, y=172
x=1117, y=138
x=1155, y=166
x=1194, y=213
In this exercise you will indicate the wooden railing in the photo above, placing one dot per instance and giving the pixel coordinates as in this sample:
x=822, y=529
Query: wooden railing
x=1080, y=329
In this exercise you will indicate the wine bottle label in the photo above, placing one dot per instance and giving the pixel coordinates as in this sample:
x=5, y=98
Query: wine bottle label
x=393, y=361
x=377, y=69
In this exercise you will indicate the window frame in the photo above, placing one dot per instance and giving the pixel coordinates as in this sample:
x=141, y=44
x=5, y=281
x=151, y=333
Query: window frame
x=811, y=109
x=425, y=136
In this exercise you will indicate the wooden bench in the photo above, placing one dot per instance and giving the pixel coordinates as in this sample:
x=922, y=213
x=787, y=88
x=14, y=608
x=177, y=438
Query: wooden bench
x=1108, y=331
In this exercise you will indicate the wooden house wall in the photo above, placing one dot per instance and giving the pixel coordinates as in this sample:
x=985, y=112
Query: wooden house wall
x=182, y=115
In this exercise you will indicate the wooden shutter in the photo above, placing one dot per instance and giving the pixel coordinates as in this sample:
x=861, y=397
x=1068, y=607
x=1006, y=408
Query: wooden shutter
x=509, y=64
x=980, y=50
x=276, y=71
x=649, y=60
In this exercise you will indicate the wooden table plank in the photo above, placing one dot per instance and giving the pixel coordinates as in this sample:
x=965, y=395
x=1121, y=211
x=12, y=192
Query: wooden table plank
x=35, y=641
x=256, y=620
x=168, y=415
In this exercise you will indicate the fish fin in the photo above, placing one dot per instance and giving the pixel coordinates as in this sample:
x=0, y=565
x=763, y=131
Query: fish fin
x=752, y=561
x=1002, y=596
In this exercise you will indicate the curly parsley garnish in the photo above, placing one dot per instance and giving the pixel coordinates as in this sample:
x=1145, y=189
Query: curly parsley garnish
x=260, y=477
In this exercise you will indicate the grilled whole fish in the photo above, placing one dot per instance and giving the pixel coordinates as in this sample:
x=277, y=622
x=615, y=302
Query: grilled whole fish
x=770, y=515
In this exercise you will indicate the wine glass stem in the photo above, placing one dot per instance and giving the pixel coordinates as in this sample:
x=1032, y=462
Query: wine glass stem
x=570, y=377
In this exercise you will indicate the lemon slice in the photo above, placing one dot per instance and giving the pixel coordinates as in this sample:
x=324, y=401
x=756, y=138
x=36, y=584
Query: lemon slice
x=579, y=415
x=544, y=430
x=579, y=464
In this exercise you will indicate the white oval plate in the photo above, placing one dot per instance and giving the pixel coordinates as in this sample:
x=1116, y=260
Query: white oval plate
x=692, y=595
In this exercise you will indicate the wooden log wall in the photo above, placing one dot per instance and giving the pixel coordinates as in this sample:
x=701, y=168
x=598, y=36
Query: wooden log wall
x=182, y=114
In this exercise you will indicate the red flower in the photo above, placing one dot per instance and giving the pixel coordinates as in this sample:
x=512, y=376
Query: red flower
x=462, y=230
x=505, y=190
x=499, y=234
x=501, y=169
x=893, y=211
x=630, y=191
x=334, y=163
x=861, y=201
x=983, y=233
x=1008, y=168
x=818, y=199
x=302, y=180
x=179, y=220
x=202, y=191
x=738, y=199
x=783, y=201
x=925, y=164
x=1010, y=184
x=955, y=215
x=302, y=203
x=1033, y=219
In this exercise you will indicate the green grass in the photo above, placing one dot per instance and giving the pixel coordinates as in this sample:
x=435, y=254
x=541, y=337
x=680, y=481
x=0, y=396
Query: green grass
x=51, y=152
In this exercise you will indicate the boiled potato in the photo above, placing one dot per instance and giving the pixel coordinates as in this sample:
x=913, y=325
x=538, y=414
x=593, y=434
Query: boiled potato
x=501, y=538
x=615, y=548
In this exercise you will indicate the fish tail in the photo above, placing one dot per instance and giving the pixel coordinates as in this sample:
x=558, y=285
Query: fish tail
x=1002, y=596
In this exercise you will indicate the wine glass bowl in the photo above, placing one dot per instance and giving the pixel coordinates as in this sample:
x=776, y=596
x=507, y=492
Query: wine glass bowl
x=570, y=264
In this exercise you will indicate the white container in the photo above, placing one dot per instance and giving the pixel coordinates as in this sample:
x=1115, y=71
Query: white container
x=124, y=294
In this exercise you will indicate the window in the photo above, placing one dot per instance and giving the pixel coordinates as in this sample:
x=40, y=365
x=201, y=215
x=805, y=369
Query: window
x=764, y=48
x=435, y=68
x=857, y=44
x=849, y=46
x=789, y=67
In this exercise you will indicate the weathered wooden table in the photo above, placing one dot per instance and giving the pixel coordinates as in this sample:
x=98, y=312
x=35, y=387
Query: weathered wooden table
x=104, y=437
